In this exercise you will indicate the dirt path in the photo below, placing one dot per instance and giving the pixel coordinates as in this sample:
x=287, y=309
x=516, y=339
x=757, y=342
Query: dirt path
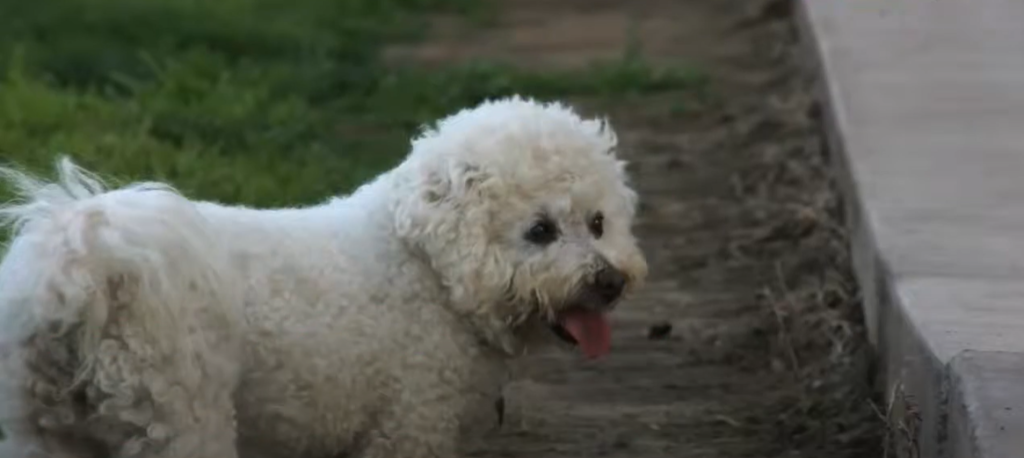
x=748, y=261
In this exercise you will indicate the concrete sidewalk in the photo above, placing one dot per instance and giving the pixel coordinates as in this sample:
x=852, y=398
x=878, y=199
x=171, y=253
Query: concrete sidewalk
x=925, y=104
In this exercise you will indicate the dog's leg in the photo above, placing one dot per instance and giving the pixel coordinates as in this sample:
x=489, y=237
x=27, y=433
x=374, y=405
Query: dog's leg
x=155, y=409
x=127, y=405
x=408, y=441
x=425, y=424
x=130, y=396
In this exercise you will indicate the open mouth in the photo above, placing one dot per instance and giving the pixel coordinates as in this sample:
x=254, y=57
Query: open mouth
x=562, y=334
x=585, y=328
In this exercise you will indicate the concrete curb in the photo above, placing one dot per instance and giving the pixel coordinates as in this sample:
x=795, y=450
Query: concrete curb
x=980, y=424
x=924, y=105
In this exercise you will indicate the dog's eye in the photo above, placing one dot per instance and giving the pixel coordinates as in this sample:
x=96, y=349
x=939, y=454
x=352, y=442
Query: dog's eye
x=596, y=225
x=542, y=232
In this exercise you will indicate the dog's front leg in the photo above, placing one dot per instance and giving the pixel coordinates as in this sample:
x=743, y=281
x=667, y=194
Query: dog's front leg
x=406, y=450
x=414, y=437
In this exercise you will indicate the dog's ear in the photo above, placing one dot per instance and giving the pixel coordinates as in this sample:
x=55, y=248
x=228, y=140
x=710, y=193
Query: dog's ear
x=444, y=215
x=435, y=199
x=458, y=184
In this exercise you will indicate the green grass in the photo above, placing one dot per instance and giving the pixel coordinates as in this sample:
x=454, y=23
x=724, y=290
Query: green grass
x=261, y=102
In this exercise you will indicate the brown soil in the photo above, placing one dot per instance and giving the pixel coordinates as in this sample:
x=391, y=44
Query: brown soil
x=749, y=264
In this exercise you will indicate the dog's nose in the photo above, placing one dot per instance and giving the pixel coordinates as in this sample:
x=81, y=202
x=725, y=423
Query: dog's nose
x=609, y=283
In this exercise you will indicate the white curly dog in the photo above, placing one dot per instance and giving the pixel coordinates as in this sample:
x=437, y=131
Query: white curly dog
x=137, y=323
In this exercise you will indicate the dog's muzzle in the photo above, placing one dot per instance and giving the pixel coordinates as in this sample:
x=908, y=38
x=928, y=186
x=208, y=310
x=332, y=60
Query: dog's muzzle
x=593, y=300
x=608, y=285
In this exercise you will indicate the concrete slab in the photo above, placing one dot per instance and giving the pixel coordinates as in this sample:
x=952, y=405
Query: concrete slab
x=955, y=315
x=925, y=110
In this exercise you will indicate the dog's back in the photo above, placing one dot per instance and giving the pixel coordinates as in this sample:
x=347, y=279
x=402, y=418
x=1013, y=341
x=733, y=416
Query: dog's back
x=116, y=310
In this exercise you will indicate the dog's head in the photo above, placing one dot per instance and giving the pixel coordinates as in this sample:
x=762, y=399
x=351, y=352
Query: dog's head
x=524, y=212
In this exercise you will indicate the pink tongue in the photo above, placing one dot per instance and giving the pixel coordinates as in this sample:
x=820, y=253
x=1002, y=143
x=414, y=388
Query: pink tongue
x=591, y=331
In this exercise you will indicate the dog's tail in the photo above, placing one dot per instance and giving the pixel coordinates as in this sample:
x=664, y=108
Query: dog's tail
x=86, y=262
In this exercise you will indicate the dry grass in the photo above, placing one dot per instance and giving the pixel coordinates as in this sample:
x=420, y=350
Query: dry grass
x=812, y=302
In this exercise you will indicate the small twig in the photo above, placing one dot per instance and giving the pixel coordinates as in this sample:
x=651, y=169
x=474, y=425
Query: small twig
x=884, y=417
x=784, y=336
x=729, y=421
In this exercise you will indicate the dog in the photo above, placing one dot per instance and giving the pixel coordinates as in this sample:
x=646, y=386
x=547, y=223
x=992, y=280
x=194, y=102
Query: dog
x=135, y=322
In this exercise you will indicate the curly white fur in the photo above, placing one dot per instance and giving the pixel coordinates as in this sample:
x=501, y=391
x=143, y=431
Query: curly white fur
x=137, y=323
